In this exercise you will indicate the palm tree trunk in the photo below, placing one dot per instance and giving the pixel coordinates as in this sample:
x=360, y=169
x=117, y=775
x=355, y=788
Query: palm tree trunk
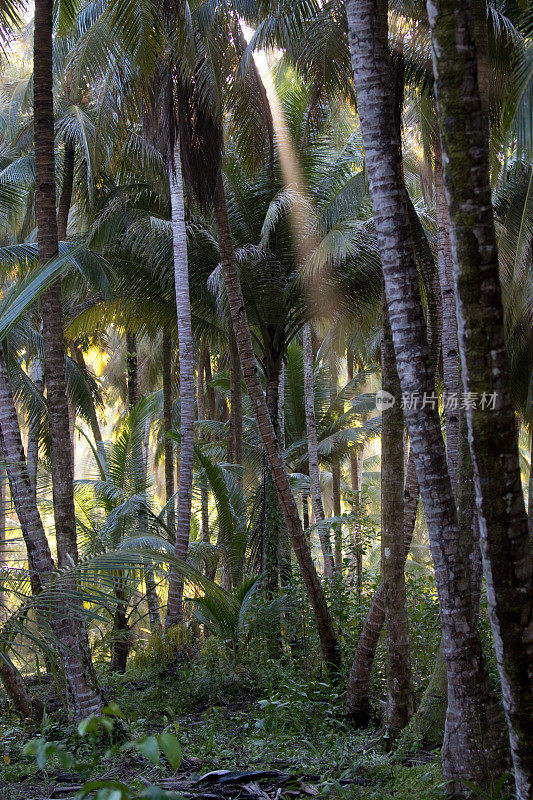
x=507, y=558
x=132, y=370
x=473, y=738
x=211, y=399
x=183, y=305
x=27, y=705
x=202, y=415
x=450, y=347
x=167, y=427
x=326, y=631
x=312, y=449
x=65, y=198
x=357, y=705
x=336, y=471
x=66, y=619
x=152, y=599
x=33, y=432
x=236, y=402
x=120, y=641
x=281, y=407
x=400, y=702
x=356, y=474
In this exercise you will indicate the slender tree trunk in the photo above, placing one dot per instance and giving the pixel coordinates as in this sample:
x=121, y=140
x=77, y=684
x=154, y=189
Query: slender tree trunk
x=202, y=415
x=65, y=199
x=400, y=702
x=358, y=706
x=132, y=370
x=236, y=402
x=450, y=347
x=120, y=643
x=66, y=619
x=183, y=305
x=507, y=558
x=328, y=639
x=82, y=694
x=167, y=427
x=473, y=738
x=356, y=475
x=121, y=631
x=273, y=524
x=312, y=449
x=305, y=513
x=211, y=399
x=281, y=408
x=336, y=471
x=152, y=599
x=33, y=432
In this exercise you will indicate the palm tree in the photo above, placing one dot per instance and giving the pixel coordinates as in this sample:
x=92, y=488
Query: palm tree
x=85, y=697
x=507, y=559
x=470, y=703
x=183, y=305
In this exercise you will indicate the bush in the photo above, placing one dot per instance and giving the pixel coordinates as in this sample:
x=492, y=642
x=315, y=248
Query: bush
x=165, y=649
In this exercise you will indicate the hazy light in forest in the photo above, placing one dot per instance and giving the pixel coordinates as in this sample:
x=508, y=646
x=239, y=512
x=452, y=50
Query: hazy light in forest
x=303, y=217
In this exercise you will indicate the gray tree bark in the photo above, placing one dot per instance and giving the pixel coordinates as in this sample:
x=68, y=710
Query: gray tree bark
x=473, y=738
x=507, y=558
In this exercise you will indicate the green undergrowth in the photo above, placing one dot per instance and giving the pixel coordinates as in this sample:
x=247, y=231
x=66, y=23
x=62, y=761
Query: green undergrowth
x=252, y=715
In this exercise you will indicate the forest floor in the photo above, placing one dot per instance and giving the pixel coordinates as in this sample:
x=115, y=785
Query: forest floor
x=271, y=737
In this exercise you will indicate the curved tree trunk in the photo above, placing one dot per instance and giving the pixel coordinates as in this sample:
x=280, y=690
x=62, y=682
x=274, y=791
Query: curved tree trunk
x=474, y=739
x=26, y=704
x=357, y=705
x=326, y=631
x=183, y=305
x=66, y=619
x=312, y=449
x=399, y=696
x=507, y=559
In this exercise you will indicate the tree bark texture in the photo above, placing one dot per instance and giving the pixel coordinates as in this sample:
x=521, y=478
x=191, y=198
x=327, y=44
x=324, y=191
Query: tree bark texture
x=506, y=551
x=399, y=696
x=473, y=739
x=66, y=620
x=183, y=305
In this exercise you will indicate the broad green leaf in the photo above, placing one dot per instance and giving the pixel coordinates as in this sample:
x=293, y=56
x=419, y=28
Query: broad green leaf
x=149, y=748
x=169, y=744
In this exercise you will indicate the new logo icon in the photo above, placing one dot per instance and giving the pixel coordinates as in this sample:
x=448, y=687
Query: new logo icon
x=384, y=400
